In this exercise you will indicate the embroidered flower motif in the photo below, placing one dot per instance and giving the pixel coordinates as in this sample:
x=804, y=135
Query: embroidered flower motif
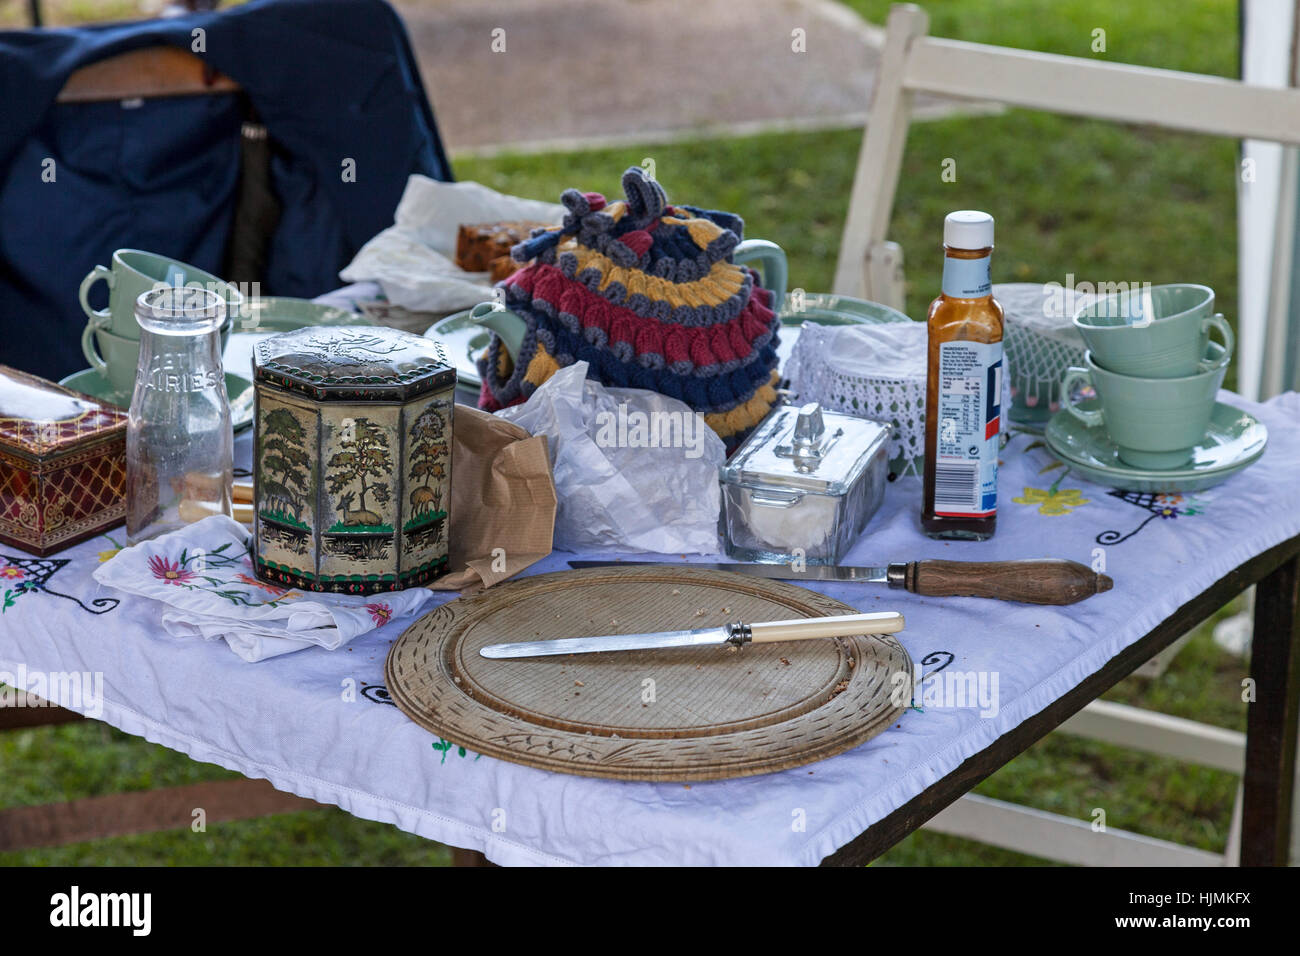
x=381, y=614
x=108, y=555
x=257, y=583
x=1169, y=505
x=11, y=572
x=169, y=571
x=1052, y=501
x=1172, y=505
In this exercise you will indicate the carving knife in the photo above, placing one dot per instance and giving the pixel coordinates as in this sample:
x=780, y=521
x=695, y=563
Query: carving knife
x=1029, y=581
x=738, y=634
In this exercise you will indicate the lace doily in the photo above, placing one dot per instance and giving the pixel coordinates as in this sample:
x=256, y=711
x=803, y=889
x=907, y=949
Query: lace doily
x=820, y=371
x=872, y=371
x=1041, y=341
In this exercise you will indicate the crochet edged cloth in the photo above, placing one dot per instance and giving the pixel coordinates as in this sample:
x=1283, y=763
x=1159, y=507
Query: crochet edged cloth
x=646, y=294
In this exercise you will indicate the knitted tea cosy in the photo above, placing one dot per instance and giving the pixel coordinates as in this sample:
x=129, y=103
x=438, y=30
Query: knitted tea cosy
x=646, y=293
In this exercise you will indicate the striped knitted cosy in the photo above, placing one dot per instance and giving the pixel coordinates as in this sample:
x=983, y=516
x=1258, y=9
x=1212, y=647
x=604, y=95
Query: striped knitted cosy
x=648, y=295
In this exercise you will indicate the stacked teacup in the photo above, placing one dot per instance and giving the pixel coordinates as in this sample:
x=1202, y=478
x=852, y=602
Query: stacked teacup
x=1154, y=368
x=111, y=339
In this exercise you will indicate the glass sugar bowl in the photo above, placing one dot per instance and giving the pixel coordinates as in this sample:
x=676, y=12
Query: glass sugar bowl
x=803, y=486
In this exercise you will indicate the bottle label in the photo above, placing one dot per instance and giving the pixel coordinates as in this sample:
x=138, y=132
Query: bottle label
x=967, y=278
x=969, y=420
x=169, y=374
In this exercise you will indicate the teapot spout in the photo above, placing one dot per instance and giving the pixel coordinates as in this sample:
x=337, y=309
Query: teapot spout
x=509, y=326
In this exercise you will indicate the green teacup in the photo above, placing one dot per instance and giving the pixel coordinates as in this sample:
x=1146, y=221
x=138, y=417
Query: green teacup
x=1155, y=423
x=120, y=356
x=1156, y=332
x=133, y=273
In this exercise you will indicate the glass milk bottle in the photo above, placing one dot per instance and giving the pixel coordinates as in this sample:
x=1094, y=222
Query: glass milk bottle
x=179, y=442
x=963, y=397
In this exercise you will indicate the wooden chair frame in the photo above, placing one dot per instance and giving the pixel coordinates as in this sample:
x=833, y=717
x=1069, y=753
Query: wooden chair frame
x=871, y=267
x=912, y=62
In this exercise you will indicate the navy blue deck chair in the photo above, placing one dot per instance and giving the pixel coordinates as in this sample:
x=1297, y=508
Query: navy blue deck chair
x=334, y=83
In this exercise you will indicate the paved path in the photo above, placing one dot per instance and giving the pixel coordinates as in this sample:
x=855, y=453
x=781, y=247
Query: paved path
x=577, y=70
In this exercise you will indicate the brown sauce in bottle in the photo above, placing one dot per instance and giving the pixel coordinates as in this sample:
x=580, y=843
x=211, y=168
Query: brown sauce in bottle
x=963, y=403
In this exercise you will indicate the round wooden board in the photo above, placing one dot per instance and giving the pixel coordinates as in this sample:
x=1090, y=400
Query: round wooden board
x=674, y=714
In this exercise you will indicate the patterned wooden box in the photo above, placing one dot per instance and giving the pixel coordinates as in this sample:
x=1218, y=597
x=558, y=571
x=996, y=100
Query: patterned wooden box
x=62, y=464
x=352, y=459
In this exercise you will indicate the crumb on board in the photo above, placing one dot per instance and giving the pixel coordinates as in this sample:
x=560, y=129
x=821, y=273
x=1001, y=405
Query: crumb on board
x=840, y=688
x=785, y=661
x=578, y=683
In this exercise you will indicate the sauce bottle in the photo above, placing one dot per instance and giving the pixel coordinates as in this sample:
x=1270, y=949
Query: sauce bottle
x=963, y=399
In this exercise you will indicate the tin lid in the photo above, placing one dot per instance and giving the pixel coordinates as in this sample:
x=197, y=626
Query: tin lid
x=807, y=449
x=353, y=363
x=40, y=420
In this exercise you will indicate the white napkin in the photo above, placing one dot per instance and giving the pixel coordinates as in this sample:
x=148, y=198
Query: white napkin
x=204, y=575
x=889, y=350
x=413, y=259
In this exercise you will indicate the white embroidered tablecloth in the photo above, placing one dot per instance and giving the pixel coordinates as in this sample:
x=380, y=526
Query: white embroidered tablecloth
x=293, y=721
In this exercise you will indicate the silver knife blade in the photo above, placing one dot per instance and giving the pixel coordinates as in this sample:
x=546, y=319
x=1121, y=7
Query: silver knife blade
x=780, y=572
x=612, y=642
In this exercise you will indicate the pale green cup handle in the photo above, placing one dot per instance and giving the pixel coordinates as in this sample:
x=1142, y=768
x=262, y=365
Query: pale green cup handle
x=1217, y=321
x=95, y=274
x=772, y=266
x=1068, y=380
x=88, y=346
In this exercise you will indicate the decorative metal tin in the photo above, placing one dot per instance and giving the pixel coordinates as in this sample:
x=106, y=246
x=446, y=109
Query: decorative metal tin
x=803, y=486
x=62, y=464
x=352, y=459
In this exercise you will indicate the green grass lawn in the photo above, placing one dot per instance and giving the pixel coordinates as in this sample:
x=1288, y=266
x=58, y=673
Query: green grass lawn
x=1101, y=201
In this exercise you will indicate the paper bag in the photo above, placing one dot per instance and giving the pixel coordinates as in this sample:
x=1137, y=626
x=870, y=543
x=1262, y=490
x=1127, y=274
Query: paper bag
x=502, y=501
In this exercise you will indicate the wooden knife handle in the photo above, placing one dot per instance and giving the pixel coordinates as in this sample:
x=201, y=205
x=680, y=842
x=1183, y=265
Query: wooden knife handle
x=839, y=625
x=1031, y=581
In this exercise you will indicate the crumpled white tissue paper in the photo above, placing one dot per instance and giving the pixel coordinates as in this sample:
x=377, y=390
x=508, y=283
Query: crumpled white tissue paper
x=617, y=491
x=414, y=259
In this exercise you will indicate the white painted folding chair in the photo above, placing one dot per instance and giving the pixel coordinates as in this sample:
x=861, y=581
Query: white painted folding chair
x=871, y=267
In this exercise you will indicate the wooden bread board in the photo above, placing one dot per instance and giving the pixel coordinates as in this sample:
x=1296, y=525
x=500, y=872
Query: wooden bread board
x=673, y=714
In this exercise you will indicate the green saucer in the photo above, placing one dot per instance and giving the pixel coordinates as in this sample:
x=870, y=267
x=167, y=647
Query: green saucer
x=1234, y=440
x=285, y=313
x=238, y=389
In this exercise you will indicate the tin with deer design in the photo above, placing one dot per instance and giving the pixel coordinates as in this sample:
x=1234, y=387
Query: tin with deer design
x=351, y=459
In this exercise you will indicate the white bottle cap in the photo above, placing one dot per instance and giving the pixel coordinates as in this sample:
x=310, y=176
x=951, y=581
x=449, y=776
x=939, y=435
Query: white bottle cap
x=968, y=229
